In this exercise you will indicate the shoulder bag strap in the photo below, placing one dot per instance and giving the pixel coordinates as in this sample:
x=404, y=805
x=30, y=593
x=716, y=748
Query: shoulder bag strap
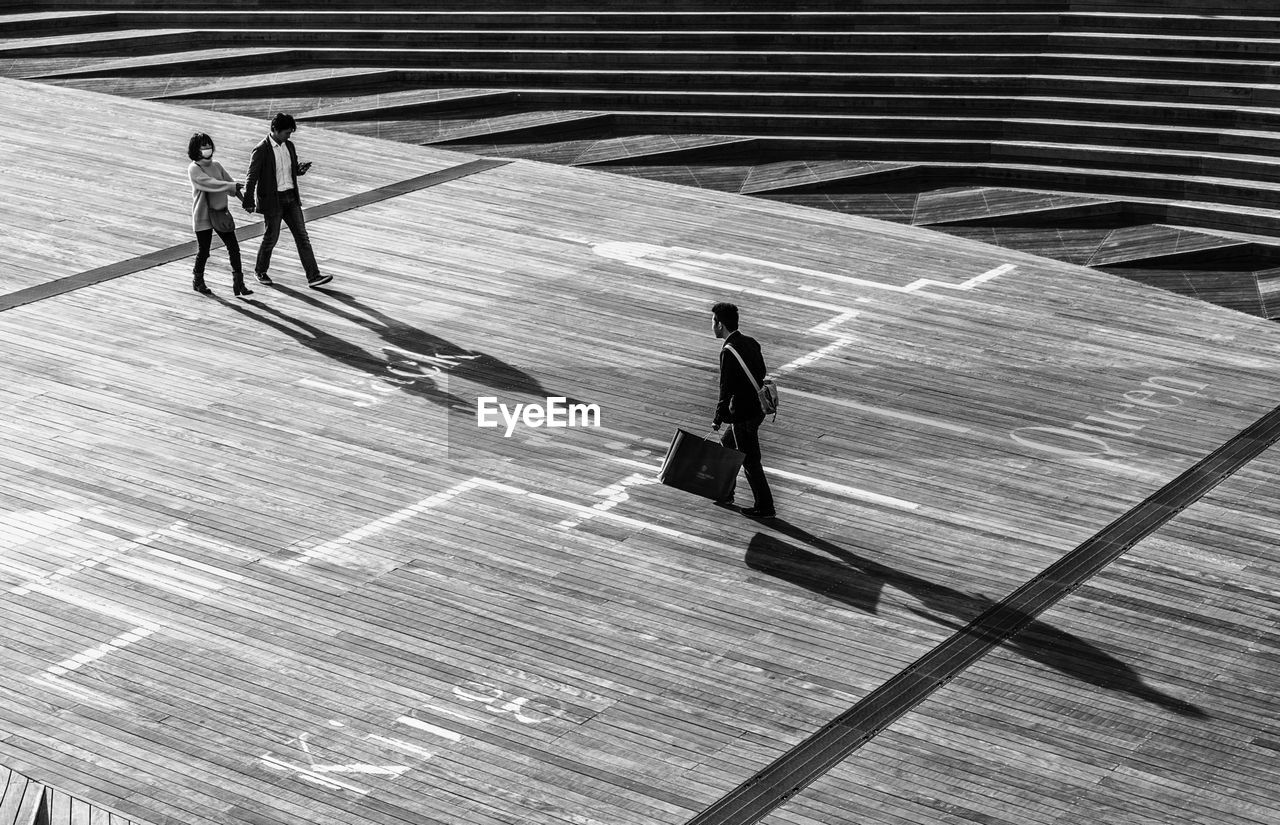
x=750, y=377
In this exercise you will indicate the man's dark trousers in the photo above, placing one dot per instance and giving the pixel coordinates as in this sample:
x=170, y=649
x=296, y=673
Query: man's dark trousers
x=745, y=436
x=291, y=214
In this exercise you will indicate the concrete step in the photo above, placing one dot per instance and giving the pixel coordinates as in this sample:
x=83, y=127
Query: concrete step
x=449, y=61
x=1096, y=89
x=1201, y=124
x=1207, y=7
x=70, y=22
x=413, y=102
x=153, y=40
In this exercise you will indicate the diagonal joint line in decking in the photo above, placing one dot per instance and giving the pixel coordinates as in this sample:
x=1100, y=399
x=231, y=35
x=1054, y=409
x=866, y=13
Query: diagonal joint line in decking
x=833, y=743
x=170, y=254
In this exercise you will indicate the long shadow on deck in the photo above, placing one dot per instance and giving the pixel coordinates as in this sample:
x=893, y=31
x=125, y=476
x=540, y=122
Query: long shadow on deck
x=410, y=378
x=857, y=582
x=412, y=359
x=409, y=343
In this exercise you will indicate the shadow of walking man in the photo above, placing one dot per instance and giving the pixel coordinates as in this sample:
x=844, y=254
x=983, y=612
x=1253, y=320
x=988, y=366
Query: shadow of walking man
x=407, y=345
x=858, y=582
x=409, y=377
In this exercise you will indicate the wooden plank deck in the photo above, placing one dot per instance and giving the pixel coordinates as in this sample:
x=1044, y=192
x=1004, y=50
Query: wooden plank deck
x=258, y=563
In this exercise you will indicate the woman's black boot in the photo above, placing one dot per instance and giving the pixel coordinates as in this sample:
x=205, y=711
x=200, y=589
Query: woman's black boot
x=197, y=282
x=237, y=285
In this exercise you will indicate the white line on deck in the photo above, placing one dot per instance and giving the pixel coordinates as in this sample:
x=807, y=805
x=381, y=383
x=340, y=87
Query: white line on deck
x=914, y=286
x=676, y=261
x=311, y=776
x=847, y=491
x=418, y=724
x=969, y=284
x=882, y=411
x=20, y=527
x=615, y=494
x=828, y=327
x=93, y=561
x=362, y=399
x=407, y=748
x=634, y=255
x=806, y=360
x=829, y=486
x=208, y=568
x=334, y=547
x=97, y=652
x=163, y=581
x=91, y=603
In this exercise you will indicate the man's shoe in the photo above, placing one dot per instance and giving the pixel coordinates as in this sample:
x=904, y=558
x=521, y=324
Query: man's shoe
x=319, y=280
x=263, y=279
x=756, y=512
x=724, y=502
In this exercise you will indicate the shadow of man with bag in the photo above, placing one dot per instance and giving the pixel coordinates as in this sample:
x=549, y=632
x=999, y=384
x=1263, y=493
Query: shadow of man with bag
x=407, y=377
x=857, y=582
x=405, y=344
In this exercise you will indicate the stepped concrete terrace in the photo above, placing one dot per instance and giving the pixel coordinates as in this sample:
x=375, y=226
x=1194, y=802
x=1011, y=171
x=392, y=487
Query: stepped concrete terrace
x=1157, y=109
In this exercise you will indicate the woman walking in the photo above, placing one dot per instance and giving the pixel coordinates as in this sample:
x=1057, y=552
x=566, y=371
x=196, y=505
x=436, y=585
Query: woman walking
x=210, y=185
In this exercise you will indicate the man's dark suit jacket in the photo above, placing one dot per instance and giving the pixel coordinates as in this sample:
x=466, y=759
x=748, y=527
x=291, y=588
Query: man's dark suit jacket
x=260, y=193
x=738, y=399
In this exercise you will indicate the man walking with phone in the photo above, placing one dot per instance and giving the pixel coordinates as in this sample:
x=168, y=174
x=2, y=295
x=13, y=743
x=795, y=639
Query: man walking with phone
x=271, y=187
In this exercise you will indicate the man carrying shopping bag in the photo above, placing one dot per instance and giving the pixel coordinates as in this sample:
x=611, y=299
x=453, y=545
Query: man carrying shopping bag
x=700, y=465
x=744, y=389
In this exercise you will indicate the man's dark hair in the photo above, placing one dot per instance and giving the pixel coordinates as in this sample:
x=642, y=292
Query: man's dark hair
x=726, y=314
x=197, y=140
x=282, y=121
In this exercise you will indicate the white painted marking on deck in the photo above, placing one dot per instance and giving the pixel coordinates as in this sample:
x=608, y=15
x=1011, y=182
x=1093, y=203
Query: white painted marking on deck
x=829, y=486
x=207, y=568
x=17, y=528
x=407, y=748
x=361, y=399
x=881, y=411
x=828, y=327
x=969, y=284
x=93, y=561
x=175, y=572
x=90, y=603
x=845, y=490
x=426, y=727
x=498, y=701
x=676, y=262
x=806, y=360
x=393, y=771
x=163, y=581
x=92, y=654
x=309, y=775
x=635, y=254
x=335, y=549
x=360, y=767
x=615, y=494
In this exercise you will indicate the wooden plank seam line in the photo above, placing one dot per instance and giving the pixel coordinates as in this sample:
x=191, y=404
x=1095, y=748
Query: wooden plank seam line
x=819, y=753
x=170, y=254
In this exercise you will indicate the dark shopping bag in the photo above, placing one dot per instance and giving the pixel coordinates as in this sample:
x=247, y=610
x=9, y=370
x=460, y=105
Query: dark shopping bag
x=700, y=465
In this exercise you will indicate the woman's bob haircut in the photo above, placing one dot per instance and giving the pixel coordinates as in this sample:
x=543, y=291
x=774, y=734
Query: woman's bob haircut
x=198, y=140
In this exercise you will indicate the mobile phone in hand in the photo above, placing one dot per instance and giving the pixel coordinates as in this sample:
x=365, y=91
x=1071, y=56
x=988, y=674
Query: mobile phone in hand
x=303, y=167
